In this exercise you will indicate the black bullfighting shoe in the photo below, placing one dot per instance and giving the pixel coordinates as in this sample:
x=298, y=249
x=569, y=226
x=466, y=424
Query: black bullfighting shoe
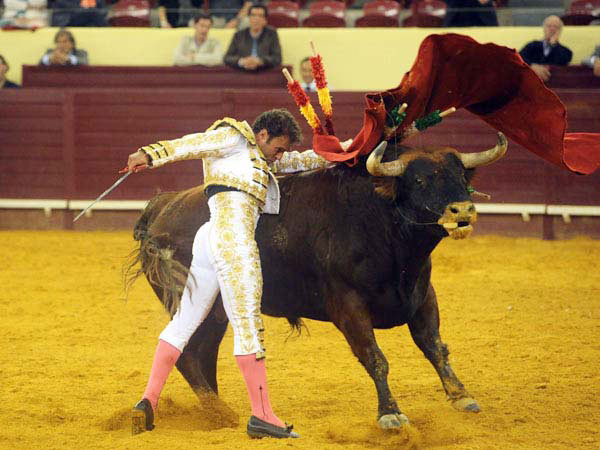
x=259, y=428
x=142, y=417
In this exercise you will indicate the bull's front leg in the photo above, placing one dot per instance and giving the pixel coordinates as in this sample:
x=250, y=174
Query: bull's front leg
x=352, y=318
x=424, y=328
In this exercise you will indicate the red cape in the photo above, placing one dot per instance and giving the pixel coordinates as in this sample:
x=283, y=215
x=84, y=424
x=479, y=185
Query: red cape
x=490, y=81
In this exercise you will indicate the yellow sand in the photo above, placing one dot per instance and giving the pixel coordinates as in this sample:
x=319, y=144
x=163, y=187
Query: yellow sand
x=521, y=318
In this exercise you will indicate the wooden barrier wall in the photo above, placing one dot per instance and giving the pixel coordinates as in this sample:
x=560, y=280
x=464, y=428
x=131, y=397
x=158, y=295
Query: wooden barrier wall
x=69, y=144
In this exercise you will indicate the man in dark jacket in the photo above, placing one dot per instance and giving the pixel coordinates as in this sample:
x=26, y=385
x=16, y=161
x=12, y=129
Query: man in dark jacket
x=547, y=52
x=470, y=13
x=256, y=47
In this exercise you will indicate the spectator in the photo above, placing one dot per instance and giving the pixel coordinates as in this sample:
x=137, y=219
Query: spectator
x=171, y=13
x=24, y=14
x=65, y=53
x=79, y=13
x=593, y=61
x=230, y=13
x=470, y=13
x=308, y=82
x=256, y=47
x=541, y=54
x=4, y=83
x=199, y=48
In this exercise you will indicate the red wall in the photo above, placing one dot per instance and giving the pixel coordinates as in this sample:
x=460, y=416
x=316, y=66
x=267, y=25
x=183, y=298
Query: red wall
x=71, y=143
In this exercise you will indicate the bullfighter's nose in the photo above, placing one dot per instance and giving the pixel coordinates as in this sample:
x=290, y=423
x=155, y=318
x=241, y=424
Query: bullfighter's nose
x=458, y=218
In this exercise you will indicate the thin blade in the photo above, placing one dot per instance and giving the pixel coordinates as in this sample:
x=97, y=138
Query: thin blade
x=104, y=194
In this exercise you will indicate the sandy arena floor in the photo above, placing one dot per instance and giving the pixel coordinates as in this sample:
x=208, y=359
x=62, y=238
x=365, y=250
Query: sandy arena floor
x=521, y=318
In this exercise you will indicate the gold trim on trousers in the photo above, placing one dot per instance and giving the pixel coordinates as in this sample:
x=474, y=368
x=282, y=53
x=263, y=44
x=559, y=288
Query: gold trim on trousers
x=225, y=259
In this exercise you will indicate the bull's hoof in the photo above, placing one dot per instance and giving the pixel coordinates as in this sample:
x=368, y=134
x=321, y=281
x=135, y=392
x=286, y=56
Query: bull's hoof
x=466, y=404
x=390, y=421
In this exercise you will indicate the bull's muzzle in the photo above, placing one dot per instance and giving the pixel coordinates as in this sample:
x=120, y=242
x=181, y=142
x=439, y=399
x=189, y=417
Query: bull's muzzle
x=458, y=219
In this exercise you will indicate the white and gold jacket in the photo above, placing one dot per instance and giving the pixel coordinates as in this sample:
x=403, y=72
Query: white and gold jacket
x=230, y=157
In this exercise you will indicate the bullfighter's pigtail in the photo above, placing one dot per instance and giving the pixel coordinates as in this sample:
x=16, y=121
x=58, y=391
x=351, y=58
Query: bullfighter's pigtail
x=316, y=65
x=303, y=103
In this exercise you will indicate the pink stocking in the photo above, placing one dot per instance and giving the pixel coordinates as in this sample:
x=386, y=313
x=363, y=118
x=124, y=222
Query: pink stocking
x=165, y=358
x=255, y=375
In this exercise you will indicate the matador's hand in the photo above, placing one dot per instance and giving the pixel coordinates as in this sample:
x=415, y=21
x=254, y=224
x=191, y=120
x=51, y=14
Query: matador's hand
x=138, y=161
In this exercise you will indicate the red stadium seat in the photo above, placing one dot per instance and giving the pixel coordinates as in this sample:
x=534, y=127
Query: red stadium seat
x=585, y=7
x=283, y=13
x=388, y=8
x=130, y=13
x=578, y=19
x=426, y=13
x=376, y=21
x=379, y=13
x=326, y=13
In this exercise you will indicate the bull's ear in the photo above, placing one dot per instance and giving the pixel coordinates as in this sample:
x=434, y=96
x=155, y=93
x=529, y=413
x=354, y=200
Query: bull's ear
x=385, y=187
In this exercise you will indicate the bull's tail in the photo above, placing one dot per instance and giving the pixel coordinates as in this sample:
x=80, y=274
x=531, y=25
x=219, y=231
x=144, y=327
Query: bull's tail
x=163, y=271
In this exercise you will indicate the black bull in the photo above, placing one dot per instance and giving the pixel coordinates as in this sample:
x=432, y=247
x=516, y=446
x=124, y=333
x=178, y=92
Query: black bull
x=347, y=247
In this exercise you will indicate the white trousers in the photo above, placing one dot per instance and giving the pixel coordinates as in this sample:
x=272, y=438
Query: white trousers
x=225, y=259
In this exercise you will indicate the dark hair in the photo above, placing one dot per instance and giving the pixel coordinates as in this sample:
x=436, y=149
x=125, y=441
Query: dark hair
x=278, y=122
x=67, y=33
x=261, y=6
x=304, y=60
x=202, y=15
x=3, y=61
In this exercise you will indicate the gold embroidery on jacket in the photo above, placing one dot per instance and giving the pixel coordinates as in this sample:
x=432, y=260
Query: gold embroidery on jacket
x=243, y=127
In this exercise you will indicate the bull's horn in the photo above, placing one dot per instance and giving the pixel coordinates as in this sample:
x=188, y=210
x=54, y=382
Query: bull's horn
x=387, y=169
x=472, y=160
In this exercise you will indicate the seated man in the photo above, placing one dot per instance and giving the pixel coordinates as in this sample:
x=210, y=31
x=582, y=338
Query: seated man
x=65, y=53
x=308, y=82
x=199, y=48
x=256, y=47
x=593, y=61
x=541, y=54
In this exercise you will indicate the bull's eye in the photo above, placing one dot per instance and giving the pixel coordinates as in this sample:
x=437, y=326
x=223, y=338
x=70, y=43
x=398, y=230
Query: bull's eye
x=419, y=181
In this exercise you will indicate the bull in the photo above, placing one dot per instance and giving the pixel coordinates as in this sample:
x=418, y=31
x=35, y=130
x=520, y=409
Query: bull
x=350, y=246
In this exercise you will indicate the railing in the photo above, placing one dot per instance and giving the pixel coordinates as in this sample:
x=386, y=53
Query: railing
x=525, y=210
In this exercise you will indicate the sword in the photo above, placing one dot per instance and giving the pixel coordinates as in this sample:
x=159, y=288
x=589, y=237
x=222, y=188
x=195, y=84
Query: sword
x=104, y=194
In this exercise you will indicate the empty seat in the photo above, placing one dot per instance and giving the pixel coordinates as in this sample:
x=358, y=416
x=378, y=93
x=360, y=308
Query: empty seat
x=283, y=13
x=426, y=13
x=578, y=19
x=379, y=13
x=326, y=13
x=585, y=7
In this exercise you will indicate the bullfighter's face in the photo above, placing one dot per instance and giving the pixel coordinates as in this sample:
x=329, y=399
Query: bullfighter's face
x=272, y=147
